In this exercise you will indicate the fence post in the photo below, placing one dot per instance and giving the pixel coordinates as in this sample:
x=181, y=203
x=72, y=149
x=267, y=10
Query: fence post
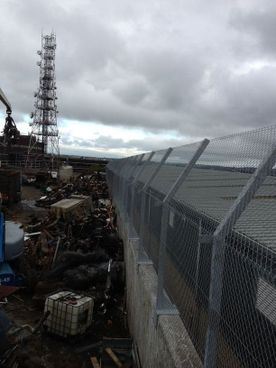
x=116, y=181
x=115, y=171
x=135, y=180
x=128, y=182
x=163, y=304
x=122, y=184
x=218, y=254
x=142, y=256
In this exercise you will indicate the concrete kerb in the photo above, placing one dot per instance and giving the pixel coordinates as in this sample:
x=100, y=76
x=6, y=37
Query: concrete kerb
x=168, y=345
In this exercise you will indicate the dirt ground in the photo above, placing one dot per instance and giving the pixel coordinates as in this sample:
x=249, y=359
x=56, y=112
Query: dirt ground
x=44, y=350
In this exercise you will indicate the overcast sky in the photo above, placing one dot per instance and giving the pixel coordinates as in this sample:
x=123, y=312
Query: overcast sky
x=134, y=76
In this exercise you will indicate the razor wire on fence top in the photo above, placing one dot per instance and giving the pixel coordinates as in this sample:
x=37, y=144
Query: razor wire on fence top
x=205, y=214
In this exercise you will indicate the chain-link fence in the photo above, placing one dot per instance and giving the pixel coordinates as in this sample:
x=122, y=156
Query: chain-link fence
x=205, y=214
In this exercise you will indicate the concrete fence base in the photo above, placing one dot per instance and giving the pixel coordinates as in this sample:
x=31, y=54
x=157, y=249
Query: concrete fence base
x=167, y=344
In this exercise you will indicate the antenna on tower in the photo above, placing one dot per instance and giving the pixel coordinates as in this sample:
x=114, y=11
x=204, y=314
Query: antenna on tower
x=44, y=139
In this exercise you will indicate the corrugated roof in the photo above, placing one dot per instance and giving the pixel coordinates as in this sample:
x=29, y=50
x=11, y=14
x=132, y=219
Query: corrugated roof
x=212, y=192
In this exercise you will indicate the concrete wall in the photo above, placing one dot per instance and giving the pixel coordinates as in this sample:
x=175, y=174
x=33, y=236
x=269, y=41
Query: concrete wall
x=166, y=344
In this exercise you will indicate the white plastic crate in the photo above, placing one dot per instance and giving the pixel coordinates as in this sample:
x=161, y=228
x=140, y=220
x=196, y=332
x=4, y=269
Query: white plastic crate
x=70, y=313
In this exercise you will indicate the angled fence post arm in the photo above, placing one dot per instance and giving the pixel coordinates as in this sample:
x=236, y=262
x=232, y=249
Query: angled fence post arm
x=121, y=183
x=139, y=173
x=218, y=253
x=138, y=159
x=180, y=180
x=142, y=257
x=162, y=304
x=135, y=180
x=137, y=162
x=111, y=174
x=157, y=169
x=115, y=181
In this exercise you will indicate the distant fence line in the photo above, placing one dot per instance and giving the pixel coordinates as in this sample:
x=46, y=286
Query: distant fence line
x=205, y=215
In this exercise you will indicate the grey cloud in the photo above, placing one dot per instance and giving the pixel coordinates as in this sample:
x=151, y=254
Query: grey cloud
x=148, y=144
x=252, y=97
x=108, y=143
x=173, y=75
x=157, y=66
x=260, y=24
x=241, y=102
x=132, y=91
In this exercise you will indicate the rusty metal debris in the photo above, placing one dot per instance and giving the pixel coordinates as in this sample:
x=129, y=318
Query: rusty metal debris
x=7, y=290
x=72, y=246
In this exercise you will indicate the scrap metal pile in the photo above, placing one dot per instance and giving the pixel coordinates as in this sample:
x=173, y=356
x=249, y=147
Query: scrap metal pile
x=75, y=247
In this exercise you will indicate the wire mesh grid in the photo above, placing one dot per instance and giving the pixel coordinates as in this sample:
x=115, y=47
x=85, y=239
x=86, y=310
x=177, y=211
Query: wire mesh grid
x=240, y=316
x=247, y=333
x=141, y=212
x=131, y=181
x=152, y=225
x=125, y=175
x=247, y=327
x=156, y=193
x=187, y=274
x=198, y=207
x=113, y=170
x=247, y=318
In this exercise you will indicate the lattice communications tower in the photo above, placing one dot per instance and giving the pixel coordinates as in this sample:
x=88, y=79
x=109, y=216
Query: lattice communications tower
x=44, y=139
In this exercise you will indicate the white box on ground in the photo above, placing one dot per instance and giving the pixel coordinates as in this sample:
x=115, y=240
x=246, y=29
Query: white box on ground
x=70, y=313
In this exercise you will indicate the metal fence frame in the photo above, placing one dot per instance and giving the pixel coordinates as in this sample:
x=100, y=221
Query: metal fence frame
x=127, y=189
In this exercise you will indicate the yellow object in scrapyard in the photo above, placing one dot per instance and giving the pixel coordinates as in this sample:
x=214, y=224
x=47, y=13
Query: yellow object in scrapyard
x=76, y=205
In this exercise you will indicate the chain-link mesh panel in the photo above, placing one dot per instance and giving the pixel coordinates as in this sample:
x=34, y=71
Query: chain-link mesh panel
x=150, y=170
x=152, y=227
x=174, y=165
x=247, y=330
x=151, y=165
x=126, y=179
x=198, y=207
x=155, y=194
x=247, y=318
x=118, y=184
x=126, y=169
x=137, y=206
x=131, y=179
x=243, y=312
x=223, y=169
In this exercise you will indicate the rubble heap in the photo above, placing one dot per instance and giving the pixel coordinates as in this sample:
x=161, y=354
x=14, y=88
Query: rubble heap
x=77, y=250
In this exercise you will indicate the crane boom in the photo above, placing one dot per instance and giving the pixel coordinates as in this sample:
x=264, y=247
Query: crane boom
x=5, y=101
x=11, y=133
